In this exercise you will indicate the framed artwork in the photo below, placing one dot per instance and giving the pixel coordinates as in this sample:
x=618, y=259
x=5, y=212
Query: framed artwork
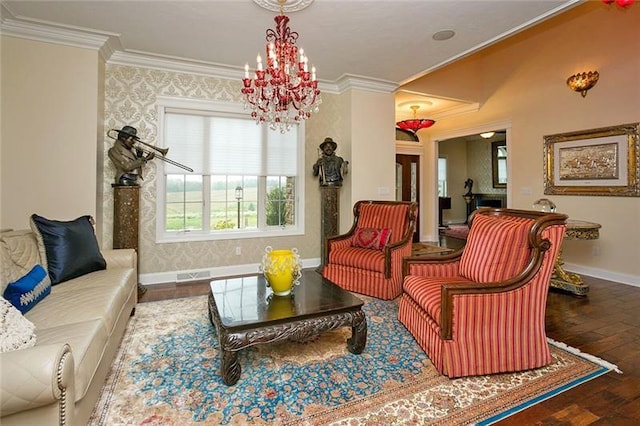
x=603, y=161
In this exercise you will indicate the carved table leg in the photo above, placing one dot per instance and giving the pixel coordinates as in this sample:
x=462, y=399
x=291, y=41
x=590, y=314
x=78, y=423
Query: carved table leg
x=566, y=281
x=358, y=339
x=229, y=367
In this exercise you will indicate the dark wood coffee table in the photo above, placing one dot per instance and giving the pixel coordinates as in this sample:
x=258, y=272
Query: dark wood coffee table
x=245, y=312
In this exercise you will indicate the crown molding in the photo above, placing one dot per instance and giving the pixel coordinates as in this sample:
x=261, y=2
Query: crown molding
x=67, y=37
x=111, y=51
x=139, y=59
x=350, y=81
x=167, y=63
x=457, y=110
x=227, y=72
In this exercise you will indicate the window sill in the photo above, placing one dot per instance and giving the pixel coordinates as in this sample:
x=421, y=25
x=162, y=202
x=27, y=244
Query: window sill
x=191, y=236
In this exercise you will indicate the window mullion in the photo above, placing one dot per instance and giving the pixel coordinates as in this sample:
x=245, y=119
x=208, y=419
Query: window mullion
x=206, y=200
x=262, y=195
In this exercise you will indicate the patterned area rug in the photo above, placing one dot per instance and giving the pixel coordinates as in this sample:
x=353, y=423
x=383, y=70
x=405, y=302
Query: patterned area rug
x=421, y=249
x=166, y=373
x=456, y=231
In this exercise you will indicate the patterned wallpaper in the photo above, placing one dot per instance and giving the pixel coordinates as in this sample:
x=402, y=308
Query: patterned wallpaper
x=479, y=167
x=130, y=99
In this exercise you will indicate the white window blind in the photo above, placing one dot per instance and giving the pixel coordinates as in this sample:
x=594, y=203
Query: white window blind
x=229, y=146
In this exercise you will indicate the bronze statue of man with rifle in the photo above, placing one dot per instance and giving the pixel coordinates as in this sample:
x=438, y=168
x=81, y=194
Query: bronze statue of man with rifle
x=330, y=168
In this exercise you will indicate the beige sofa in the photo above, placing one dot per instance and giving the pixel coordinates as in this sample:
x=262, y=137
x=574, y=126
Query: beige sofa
x=79, y=327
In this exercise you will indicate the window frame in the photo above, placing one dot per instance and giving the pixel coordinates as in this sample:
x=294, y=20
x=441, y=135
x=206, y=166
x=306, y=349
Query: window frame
x=446, y=174
x=222, y=109
x=498, y=164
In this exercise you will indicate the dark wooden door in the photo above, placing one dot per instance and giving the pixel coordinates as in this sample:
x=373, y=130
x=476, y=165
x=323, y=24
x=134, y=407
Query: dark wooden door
x=408, y=182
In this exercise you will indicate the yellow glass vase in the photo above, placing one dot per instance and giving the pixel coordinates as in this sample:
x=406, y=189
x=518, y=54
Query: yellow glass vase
x=282, y=269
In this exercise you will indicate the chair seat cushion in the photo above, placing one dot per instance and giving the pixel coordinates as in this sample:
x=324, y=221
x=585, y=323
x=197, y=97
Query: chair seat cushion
x=426, y=292
x=361, y=258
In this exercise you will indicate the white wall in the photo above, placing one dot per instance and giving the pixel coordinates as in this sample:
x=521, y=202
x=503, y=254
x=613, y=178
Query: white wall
x=373, y=147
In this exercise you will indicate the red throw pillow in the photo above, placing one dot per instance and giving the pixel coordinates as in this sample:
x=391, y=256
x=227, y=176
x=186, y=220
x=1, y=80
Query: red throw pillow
x=371, y=238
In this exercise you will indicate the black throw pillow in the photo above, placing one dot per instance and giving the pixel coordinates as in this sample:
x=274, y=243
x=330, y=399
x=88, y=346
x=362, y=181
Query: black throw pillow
x=71, y=248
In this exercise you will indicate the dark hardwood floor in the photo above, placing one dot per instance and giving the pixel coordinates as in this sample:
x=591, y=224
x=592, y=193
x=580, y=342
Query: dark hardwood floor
x=605, y=323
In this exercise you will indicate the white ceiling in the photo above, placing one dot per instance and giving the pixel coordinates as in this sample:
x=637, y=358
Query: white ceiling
x=386, y=40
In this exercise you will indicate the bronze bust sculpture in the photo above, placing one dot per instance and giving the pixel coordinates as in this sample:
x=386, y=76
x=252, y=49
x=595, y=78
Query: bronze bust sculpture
x=330, y=168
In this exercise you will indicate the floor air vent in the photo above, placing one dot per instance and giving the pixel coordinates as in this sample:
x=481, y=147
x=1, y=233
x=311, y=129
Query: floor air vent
x=190, y=276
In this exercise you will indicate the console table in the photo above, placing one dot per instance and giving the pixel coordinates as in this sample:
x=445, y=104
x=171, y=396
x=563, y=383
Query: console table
x=563, y=280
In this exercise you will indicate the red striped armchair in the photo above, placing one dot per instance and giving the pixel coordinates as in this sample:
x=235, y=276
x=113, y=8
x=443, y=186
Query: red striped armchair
x=368, y=258
x=481, y=310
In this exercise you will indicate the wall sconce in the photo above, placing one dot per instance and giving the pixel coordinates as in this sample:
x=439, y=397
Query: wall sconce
x=583, y=82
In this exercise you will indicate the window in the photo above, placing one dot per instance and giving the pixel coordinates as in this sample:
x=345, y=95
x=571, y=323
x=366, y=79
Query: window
x=247, y=180
x=499, y=164
x=442, y=177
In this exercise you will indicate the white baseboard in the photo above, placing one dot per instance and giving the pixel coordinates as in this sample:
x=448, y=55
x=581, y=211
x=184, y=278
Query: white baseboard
x=429, y=238
x=252, y=268
x=217, y=272
x=628, y=279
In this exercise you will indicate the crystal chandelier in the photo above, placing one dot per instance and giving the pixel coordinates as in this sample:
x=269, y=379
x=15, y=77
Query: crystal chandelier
x=284, y=91
x=415, y=124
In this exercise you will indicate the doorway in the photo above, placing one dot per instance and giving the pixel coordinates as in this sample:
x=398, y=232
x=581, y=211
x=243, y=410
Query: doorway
x=476, y=173
x=408, y=183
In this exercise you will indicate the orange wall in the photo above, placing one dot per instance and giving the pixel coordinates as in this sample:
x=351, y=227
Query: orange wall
x=522, y=81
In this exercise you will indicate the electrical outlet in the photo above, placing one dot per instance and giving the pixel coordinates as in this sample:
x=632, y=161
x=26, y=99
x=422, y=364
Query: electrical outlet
x=525, y=190
x=238, y=251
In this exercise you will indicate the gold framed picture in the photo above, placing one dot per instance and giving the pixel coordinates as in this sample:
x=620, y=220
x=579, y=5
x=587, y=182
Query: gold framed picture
x=602, y=161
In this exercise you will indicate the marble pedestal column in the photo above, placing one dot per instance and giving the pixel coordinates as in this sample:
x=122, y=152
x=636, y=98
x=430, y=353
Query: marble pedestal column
x=126, y=213
x=126, y=218
x=330, y=204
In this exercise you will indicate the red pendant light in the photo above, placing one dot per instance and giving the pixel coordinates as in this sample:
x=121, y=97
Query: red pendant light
x=621, y=3
x=415, y=124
